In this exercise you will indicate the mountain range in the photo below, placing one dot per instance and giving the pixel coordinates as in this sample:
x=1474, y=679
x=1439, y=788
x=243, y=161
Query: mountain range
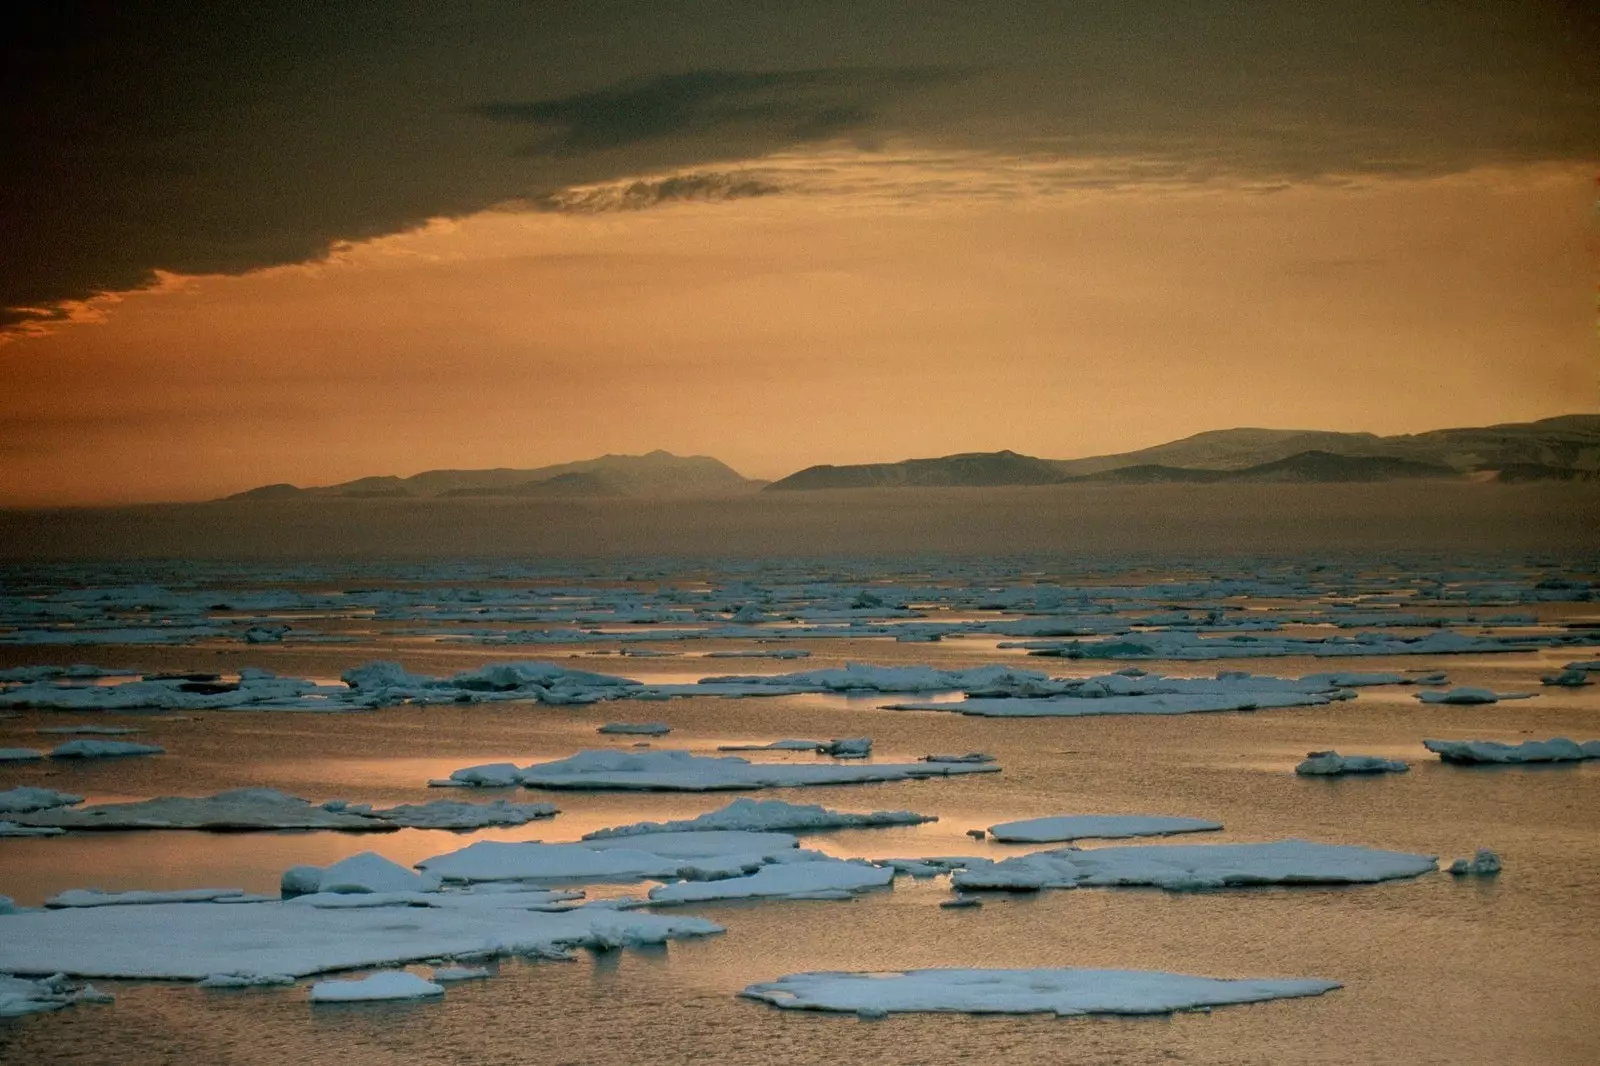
x=1565, y=448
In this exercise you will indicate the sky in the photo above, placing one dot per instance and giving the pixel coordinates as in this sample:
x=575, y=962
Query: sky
x=309, y=242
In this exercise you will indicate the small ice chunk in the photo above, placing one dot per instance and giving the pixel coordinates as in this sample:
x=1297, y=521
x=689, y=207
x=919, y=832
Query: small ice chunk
x=1103, y=826
x=90, y=897
x=20, y=754
x=461, y=973
x=12, y=829
x=1484, y=863
x=1556, y=749
x=369, y=872
x=1062, y=992
x=642, y=729
x=969, y=757
x=487, y=775
x=848, y=747
x=390, y=984
x=19, y=995
x=1468, y=696
x=1567, y=679
x=246, y=980
x=103, y=749
x=1331, y=763
x=960, y=902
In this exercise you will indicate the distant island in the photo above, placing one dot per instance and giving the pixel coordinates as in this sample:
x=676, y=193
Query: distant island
x=1565, y=448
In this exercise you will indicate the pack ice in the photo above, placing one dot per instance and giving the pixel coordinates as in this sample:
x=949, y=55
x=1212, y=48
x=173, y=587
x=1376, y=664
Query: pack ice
x=1189, y=867
x=1062, y=992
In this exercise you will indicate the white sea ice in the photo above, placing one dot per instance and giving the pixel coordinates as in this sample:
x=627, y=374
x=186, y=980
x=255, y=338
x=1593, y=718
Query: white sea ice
x=1061, y=992
x=19, y=995
x=461, y=973
x=23, y=799
x=90, y=897
x=20, y=754
x=1484, y=863
x=103, y=749
x=191, y=941
x=246, y=980
x=361, y=873
x=765, y=816
x=1188, y=867
x=677, y=770
x=643, y=729
x=1331, y=764
x=823, y=878
x=1101, y=826
x=487, y=775
x=391, y=984
x=654, y=856
x=1556, y=749
x=1468, y=695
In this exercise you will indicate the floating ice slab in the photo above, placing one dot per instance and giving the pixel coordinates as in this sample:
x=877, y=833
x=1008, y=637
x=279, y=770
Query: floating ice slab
x=19, y=996
x=676, y=770
x=486, y=775
x=1467, y=695
x=1061, y=992
x=827, y=878
x=1556, y=749
x=361, y=873
x=1186, y=867
x=635, y=858
x=1158, y=703
x=103, y=749
x=971, y=757
x=246, y=980
x=24, y=799
x=89, y=897
x=1485, y=863
x=1332, y=764
x=394, y=984
x=1101, y=826
x=461, y=973
x=642, y=729
x=235, y=810
x=191, y=941
x=767, y=815
x=12, y=829
x=452, y=814
x=20, y=754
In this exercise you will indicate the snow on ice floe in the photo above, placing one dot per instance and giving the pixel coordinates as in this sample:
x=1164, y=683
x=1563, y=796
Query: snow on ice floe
x=103, y=749
x=642, y=729
x=1467, y=695
x=391, y=984
x=267, y=809
x=192, y=941
x=363, y=873
x=675, y=770
x=822, y=878
x=90, y=897
x=754, y=815
x=1186, y=867
x=20, y=754
x=19, y=995
x=1484, y=863
x=1332, y=764
x=1062, y=992
x=1095, y=826
x=634, y=858
x=1556, y=749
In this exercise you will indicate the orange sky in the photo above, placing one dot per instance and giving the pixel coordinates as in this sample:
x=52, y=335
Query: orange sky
x=913, y=307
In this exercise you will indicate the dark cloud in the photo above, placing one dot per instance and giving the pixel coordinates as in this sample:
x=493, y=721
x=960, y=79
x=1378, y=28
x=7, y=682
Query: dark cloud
x=201, y=138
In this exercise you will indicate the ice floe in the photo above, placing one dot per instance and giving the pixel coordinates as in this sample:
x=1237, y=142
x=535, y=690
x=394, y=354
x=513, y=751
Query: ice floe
x=12, y=829
x=20, y=754
x=754, y=815
x=1095, y=826
x=643, y=729
x=632, y=858
x=968, y=757
x=1332, y=764
x=103, y=749
x=1063, y=992
x=24, y=799
x=820, y=879
x=1467, y=695
x=192, y=941
x=678, y=770
x=1556, y=749
x=90, y=897
x=391, y=984
x=1186, y=867
x=461, y=973
x=19, y=995
x=362, y=873
x=1484, y=863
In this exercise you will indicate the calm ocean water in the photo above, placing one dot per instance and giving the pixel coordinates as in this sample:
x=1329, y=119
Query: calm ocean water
x=1435, y=970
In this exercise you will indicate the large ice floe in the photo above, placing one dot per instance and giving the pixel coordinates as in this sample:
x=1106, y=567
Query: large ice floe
x=103, y=749
x=1332, y=764
x=19, y=995
x=268, y=809
x=1188, y=867
x=390, y=984
x=1024, y=695
x=754, y=815
x=1095, y=826
x=1061, y=992
x=816, y=878
x=303, y=936
x=1192, y=646
x=675, y=770
x=652, y=856
x=1556, y=749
